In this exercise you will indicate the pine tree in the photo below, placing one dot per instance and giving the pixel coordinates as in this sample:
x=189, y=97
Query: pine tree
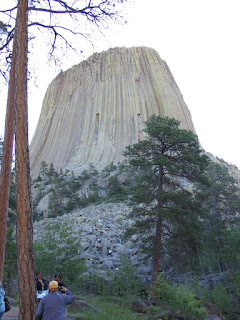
x=222, y=202
x=26, y=285
x=169, y=158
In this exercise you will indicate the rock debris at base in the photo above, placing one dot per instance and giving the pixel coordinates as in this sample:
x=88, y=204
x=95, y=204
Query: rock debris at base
x=100, y=229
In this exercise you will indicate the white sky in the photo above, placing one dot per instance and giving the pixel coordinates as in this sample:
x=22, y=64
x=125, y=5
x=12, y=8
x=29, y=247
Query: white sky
x=199, y=40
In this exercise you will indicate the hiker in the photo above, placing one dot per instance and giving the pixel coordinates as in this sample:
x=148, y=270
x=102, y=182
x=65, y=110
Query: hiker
x=58, y=278
x=41, y=284
x=2, y=302
x=52, y=306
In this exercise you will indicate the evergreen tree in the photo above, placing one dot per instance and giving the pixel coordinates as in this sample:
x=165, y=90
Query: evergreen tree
x=116, y=189
x=10, y=261
x=10, y=265
x=222, y=202
x=169, y=158
x=43, y=169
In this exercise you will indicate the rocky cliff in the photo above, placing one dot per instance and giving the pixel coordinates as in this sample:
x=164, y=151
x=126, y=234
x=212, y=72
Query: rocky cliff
x=95, y=109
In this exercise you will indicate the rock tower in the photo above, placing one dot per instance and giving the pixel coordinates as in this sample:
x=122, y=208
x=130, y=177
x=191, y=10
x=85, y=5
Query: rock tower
x=93, y=110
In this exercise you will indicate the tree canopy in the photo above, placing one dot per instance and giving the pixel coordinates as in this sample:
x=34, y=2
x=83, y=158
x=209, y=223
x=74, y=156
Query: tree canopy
x=168, y=162
x=221, y=201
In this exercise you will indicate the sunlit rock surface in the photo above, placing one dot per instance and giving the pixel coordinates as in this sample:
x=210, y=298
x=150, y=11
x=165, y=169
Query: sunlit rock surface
x=95, y=109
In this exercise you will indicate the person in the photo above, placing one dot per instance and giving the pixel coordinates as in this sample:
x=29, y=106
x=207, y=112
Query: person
x=52, y=306
x=2, y=302
x=58, y=278
x=41, y=284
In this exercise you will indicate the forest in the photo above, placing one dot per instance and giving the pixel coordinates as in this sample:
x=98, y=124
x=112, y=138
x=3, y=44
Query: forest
x=185, y=209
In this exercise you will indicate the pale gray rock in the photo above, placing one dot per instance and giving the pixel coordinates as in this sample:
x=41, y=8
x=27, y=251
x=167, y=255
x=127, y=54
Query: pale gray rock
x=92, y=111
x=212, y=317
x=120, y=248
x=134, y=238
x=100, y=245
x=118, y=218
x=85, y=245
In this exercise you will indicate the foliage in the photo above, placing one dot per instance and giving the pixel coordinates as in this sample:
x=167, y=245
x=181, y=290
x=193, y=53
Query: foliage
x=179, y=299
x=55, y=205
x=84, y=176
x=222, y=202
x=122, y=282
x=68, y=192
x=221, y=298
x=10, y=262
x=93, y=171
x=43, y=168
x=59, y=252
x=116, y=189
x=167, y=165
x=108, y=169
x=126, y=282
x=230, y=252
x=110, y=310
x=51, y=173
x=94, y=283
x=233, y=280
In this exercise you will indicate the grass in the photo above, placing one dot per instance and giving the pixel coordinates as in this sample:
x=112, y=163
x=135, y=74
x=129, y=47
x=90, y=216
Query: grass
x=109, y=310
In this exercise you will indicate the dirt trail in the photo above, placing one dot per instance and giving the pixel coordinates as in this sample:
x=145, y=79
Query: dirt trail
x=12, y=314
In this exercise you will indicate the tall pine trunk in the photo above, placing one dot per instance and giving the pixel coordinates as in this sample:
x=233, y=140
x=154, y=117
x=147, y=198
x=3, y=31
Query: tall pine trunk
x=27, y=294
x=5, y=177
x=158, y=234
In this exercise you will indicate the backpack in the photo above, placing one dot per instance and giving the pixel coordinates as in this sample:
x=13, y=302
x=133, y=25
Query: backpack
x=2, y=302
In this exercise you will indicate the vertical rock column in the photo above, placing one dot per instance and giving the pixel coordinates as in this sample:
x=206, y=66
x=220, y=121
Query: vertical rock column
x=94, y=110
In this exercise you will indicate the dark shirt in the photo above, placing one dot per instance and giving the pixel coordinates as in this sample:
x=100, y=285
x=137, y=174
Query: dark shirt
x=39, y=285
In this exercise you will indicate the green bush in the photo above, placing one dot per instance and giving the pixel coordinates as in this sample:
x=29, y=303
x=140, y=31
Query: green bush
x=84, y=176
x=59, y=252
x=125, y=281
x=179, y=299
x=116, y=189
x=109, y=311
x=219, y=297
x=93, y=283
x=108, y=169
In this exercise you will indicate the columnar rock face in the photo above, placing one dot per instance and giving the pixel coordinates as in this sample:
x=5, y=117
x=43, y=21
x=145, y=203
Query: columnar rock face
x=95, y=109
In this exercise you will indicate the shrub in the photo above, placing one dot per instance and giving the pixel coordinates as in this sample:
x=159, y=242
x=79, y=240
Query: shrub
x=93, y=283
x=219, y=297
x=125, y=281
x=116, y=190
x=179, y=299
x=108, y=169
x=59, y=251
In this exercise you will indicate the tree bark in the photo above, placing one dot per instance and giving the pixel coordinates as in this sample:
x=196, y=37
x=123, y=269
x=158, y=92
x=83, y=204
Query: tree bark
x=26, y=285
x=7, y=161
x=158, y=235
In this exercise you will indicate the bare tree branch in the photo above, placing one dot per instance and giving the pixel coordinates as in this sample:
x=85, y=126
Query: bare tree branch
x=50, y=15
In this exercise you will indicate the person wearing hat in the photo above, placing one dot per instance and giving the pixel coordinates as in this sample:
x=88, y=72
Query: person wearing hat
x=52, y=306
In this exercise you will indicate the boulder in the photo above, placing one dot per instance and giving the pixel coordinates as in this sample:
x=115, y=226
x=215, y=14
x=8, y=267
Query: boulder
x=139, y=306
x=82, y=305
x=212, y=317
